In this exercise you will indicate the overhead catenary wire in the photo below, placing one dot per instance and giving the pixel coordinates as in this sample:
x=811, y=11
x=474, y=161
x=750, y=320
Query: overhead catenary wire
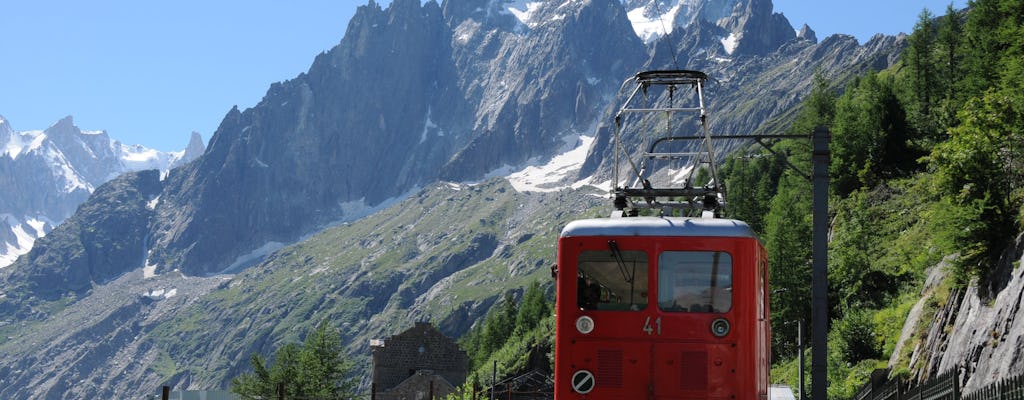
x=668, y=34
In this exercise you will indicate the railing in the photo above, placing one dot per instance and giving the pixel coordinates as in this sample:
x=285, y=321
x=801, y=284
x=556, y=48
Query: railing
x=942, y=387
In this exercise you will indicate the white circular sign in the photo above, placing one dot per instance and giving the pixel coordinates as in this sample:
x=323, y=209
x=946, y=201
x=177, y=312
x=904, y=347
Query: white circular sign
x=585, y=324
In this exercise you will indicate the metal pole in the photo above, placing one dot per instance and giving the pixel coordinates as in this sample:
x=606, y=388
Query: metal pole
x=800, y=348
x=494, y=378
x=819, y=266
x=165, y=393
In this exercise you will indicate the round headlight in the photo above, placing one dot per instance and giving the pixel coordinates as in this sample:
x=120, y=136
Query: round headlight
x=720, y=327
x=585, y=324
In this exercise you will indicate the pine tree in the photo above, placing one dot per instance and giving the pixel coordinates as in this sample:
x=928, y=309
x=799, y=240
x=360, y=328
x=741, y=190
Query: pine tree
x=918, y=58
x=949, y=66
x=315, y=369
x=534, y=308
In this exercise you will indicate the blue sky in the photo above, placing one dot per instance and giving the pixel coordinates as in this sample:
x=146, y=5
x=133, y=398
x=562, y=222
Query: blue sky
x=151, y=72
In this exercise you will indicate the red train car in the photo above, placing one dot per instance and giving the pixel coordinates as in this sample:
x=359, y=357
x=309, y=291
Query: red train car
x=661, y=308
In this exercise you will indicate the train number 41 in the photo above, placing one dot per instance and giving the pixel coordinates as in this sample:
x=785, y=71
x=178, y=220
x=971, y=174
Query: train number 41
x=650, y=329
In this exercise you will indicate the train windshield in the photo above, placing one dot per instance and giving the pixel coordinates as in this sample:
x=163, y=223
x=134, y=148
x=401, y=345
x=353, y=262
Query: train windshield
x=612, y=279
x=695, y=281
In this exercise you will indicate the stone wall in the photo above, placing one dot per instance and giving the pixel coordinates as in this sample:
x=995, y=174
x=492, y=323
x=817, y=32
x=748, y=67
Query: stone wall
x=420, y=348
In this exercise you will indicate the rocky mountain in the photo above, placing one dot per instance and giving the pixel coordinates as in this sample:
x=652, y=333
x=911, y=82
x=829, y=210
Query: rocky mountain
x=413, y=95
x=977, y=332
x=46, y=175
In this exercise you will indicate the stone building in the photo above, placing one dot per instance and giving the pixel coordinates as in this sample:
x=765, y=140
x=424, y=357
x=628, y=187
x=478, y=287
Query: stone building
x=417, y=363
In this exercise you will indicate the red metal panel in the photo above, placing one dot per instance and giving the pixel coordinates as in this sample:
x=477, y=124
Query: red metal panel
x=654, y=354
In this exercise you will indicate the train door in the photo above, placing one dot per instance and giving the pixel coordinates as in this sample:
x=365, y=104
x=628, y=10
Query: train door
x=689, y=359
x=603, y=346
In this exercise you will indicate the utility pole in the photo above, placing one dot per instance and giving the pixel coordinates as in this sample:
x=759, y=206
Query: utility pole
x=800, y=348
x=819, y=266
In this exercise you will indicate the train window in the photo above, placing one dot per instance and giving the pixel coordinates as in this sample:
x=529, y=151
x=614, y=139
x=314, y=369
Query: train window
x=612, y=280
x=695, y=281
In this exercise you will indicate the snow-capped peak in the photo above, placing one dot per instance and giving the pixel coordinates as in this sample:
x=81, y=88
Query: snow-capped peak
x=64, y=164
x=651, y=23
x=523, y=10
x=653, y=19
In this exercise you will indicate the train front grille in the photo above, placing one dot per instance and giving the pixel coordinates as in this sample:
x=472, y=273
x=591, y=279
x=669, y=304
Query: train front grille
x=609, y=368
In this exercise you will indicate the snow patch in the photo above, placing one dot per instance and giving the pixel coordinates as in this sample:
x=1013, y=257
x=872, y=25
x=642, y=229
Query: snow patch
x=24, y=142
x=248, y=259
x=138, y=158
x=152, y=203
x=466, y=30
x=427, y=126
x=353, y=210
x=549, y=177
x=650, y=29
x=731, y=42
x=25, y=235
x=149, y=271
x=454, y=186
x=62, y=168
x=159, y=294
x=524, y=11
x=678, y=176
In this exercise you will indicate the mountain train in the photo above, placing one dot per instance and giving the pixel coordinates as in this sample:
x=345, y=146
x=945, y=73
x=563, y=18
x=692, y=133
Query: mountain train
x=662, y=307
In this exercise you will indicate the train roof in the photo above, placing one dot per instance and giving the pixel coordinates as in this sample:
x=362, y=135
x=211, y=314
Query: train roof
x=658, y=226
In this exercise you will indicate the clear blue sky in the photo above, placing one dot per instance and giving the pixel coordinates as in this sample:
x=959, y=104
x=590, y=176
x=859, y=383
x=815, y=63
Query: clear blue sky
x=151, y=72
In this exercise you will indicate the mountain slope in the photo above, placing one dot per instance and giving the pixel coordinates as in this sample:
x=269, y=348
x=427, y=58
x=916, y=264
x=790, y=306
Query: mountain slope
x=411, y=95
x=370, y=278
x=45, y=175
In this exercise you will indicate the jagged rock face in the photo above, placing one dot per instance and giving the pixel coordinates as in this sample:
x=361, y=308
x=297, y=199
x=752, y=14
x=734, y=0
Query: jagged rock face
x=354, y=129
x=410, y=95
x=979, y=332
x=536, y=76
x=103, y=240
x=45, y=175
x=747, y=89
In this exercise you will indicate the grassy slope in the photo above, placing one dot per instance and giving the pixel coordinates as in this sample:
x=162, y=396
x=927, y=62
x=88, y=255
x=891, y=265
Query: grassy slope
x=444, y=255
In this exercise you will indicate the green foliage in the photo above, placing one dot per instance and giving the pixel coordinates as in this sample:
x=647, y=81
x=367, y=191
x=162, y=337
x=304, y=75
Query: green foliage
x=534, y=308
x=871, y=139
x=507, y=322
x=316, y=369
x=788, y=239
x=511, y=334
x=819, y=109
x=979, y=170
x=922, y=69
x=855, y=337
x=752, y=182
x=927, y=162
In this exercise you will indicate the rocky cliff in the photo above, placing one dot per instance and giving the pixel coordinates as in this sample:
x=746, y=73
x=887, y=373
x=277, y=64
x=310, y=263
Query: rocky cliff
x=46, y=175
x=978, y=332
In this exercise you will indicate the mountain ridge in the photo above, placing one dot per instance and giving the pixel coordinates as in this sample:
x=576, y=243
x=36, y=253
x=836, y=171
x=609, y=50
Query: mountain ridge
x=461, y=95
x=47, y=174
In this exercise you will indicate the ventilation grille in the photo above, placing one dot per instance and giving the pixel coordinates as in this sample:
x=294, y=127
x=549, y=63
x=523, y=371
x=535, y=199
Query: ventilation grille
x=694, y=370
x=609, y=368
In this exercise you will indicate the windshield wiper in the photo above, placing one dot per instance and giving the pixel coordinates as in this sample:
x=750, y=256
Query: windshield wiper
x=628, y=276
